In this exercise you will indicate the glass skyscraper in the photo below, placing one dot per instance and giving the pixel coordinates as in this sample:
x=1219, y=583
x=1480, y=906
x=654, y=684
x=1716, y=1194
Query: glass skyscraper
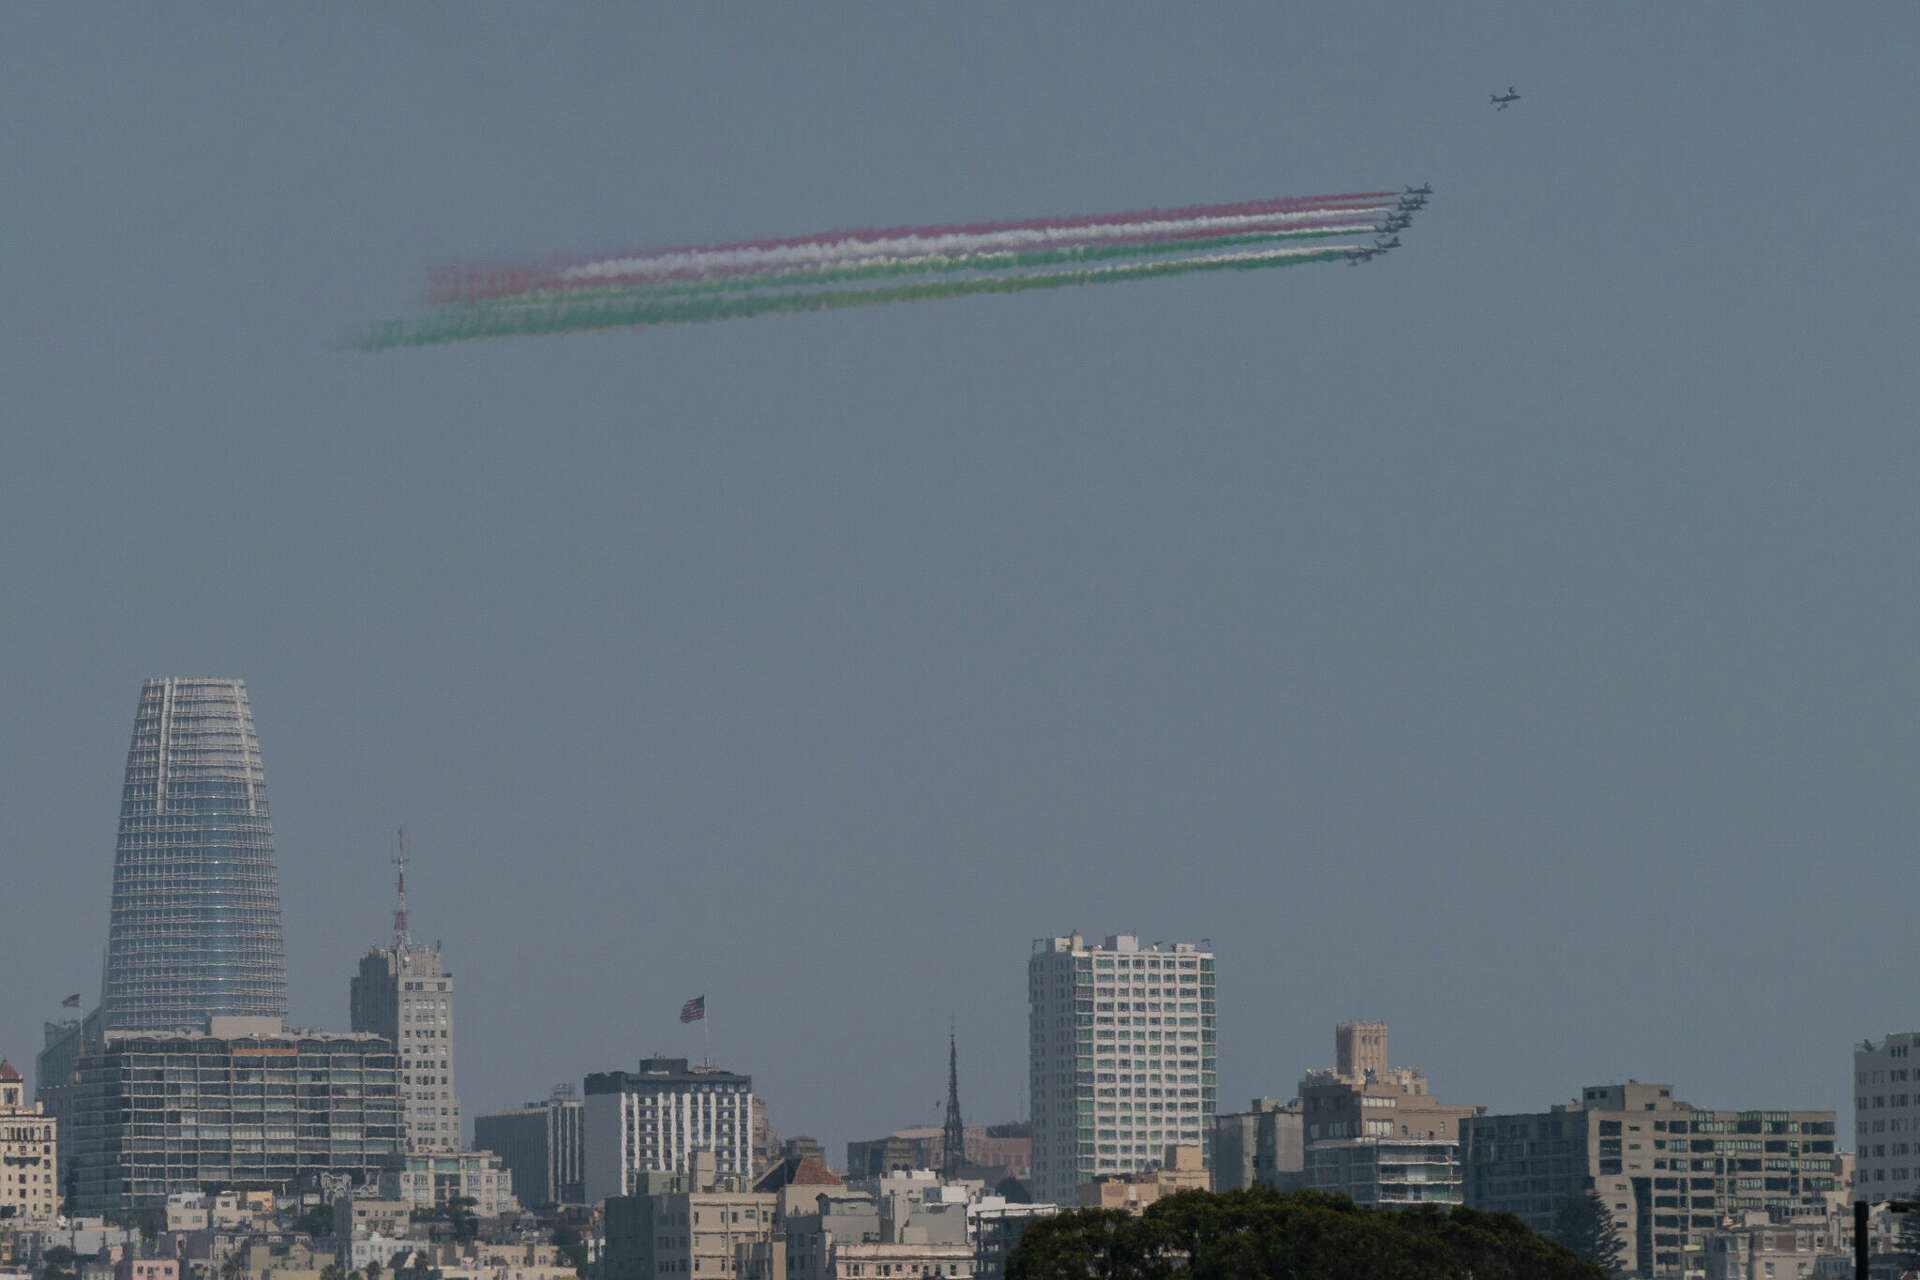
x=196, y=898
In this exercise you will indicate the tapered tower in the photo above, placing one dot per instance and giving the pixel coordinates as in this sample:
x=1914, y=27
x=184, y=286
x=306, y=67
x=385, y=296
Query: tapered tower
x=953, y=1138
x=195, y=929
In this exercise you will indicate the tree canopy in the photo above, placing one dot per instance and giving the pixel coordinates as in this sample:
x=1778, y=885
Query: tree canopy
x=1303, y=1235
x=1584, y=1224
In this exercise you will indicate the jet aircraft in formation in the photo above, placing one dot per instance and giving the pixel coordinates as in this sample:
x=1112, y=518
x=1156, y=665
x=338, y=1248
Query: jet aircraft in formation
x=1501, y=101
x=1396, y=221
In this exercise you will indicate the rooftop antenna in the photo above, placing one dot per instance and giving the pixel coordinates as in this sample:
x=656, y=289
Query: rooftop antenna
x=402, y=940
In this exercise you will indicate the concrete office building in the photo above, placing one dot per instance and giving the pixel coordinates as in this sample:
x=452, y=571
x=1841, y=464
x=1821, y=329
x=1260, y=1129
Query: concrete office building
x=655, y=1118
x=1387, y=1171
x=29, y=1145
x=1121, y=1056
x=244, y=1103
x=1263, y=1146
x=1669, y=1172
x=195, y=930
x=1886, y=1117
x=405, y=993
x=540, y=1144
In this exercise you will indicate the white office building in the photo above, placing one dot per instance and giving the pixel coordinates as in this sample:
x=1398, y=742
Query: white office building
x=1121, y=1057
x=655, y=1118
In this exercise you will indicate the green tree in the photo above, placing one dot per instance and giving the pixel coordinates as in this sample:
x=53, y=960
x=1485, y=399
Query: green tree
x=1306, y=1235
x=316, y=1222
x=1584, y=1225
x=59, y=1261
x=572, y=1246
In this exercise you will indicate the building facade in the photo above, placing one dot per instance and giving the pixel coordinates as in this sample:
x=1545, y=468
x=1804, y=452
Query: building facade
x=540, y=1144
x=404, y=993
x=243, y=1103
x=1387, y=1171
x=1363, y=1097
x=1669, y=1172
x=1263, y=1146
x=29, y=1147
x=430, y=1181
x=683, y=1224
x=1886, y=1117
x=1121, y=1056
x=195, y=930
x=656, y=1117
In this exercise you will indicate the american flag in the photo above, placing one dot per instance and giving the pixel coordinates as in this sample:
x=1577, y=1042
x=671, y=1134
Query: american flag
x=694, y=1010
x=71, y=1002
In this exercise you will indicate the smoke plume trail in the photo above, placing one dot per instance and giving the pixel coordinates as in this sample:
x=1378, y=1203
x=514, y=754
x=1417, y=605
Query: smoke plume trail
x=835, y=270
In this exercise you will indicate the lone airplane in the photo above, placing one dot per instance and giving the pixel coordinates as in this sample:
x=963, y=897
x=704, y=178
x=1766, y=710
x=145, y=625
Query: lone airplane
x=1500, y=101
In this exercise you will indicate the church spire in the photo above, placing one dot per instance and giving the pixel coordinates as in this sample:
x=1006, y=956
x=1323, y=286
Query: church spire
x=954, y=1141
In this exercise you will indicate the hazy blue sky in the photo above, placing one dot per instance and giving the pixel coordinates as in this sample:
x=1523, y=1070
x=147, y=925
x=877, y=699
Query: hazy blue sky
x=1513, y=639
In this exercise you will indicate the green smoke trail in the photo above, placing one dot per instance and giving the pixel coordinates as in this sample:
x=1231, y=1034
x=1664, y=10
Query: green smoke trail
x=621, y=309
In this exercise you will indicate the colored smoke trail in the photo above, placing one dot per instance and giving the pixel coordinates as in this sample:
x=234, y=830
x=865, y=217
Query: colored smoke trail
x=837, y=270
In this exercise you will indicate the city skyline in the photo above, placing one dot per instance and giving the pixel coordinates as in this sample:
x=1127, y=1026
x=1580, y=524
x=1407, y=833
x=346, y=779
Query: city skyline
x=1506, y=629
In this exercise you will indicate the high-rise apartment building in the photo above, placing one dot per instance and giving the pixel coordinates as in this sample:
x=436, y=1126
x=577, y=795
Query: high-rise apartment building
x=656, y=1118
x=541, y=1146
x=405, y=993
x=1886, y=1117
x=29, y=1191
x=195, y=930
x=242, y=1103
x=1121, y=1057
x=1669, y=1172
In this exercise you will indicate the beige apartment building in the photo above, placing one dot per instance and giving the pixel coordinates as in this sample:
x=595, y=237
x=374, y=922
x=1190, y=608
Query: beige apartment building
x=29, y=1154
x=1670, y=1173
x=1182, y=1170
x=1364, y=1097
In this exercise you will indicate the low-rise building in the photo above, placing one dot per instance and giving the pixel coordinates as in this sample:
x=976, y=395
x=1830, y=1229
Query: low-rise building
x=1761, y=1250
x=430, y=1181
x=29, y=1153
x=1182, y=1170
x=688, y=1224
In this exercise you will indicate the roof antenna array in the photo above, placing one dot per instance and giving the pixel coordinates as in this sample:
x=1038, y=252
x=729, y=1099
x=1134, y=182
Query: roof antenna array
x=402, y=940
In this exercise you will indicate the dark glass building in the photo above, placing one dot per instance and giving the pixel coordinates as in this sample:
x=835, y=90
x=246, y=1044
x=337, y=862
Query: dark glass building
x=195, y=931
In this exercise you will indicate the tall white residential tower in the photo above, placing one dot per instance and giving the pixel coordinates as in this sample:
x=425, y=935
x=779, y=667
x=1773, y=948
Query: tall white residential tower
x=1121, y=1054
